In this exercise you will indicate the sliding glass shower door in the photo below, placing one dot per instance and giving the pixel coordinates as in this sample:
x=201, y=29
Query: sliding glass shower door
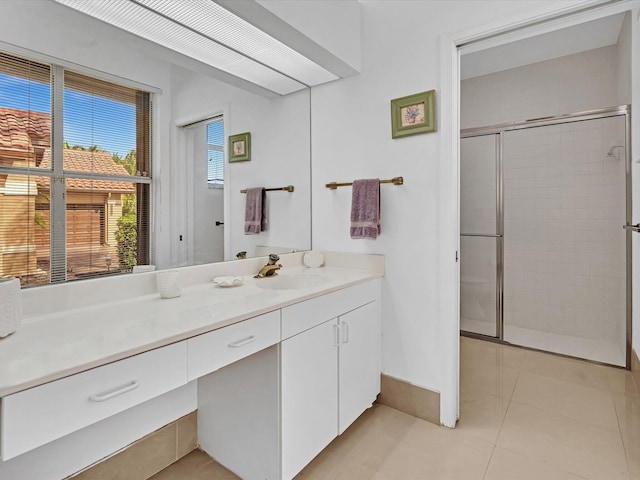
x=481, y=236
x=544, y=260
x=564, y=246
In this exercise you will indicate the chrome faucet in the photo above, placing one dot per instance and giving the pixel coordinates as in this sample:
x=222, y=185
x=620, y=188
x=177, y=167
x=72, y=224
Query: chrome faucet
x=270, y=269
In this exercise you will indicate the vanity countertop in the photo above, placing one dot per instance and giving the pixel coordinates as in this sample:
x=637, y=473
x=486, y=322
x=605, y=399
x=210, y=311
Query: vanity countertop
x=52, y=346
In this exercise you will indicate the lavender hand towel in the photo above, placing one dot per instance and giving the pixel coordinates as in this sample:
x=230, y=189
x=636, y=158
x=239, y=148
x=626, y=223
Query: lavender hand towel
x=255, y=213
x=365, y=209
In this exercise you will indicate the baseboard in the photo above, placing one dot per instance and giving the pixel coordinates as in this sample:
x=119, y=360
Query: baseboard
x=635, y=368
x=410, y=399
x=149, y=455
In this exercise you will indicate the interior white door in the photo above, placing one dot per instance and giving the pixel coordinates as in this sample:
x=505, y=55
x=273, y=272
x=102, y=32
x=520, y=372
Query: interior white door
x=309, y=395
x=206, y=238
x=359, y=361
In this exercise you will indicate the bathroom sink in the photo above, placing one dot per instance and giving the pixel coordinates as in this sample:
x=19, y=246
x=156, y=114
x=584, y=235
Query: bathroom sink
x=290, y=282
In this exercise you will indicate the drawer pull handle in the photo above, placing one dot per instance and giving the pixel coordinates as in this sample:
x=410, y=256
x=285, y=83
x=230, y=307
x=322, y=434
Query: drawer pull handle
x=244, y=341
x=336, y=335
x=114, y=392
x=345, y=332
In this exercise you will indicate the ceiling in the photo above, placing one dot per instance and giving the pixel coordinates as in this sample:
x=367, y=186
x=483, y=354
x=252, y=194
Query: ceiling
x=579, y=38
x=212, y=34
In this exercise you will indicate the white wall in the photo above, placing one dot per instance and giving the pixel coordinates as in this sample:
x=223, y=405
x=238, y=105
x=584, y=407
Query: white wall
x=623, y=55
x=352, y=139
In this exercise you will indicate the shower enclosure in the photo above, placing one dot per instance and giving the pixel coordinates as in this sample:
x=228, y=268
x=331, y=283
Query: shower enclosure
x=544, y=258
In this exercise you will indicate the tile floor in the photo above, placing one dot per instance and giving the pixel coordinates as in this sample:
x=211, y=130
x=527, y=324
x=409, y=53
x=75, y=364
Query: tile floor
x=523, y=415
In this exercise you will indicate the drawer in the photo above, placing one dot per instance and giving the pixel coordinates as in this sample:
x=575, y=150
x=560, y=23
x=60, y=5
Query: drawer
x=41, y=414
x=305, y=315
x=214, y=350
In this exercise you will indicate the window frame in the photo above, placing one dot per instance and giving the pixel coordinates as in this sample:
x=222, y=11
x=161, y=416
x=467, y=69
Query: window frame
x=58, y=175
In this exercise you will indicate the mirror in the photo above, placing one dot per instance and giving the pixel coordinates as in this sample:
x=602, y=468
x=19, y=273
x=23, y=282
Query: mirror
x=280, y=156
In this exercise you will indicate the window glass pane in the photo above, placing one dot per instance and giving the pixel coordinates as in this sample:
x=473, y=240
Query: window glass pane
x=101, y=233
x=25, y=134
x=215, y=175
x=215, y=153
x=97, y=119
x=215, y=133
x=106, y=133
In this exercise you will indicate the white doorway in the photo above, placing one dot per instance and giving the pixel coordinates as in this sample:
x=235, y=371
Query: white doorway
x=551, y=18
x=204, y=154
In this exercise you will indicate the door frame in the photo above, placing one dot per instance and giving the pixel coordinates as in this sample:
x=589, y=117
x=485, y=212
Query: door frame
x=549, y=18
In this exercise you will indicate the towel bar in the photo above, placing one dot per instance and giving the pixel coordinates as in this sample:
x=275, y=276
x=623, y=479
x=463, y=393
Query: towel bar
x=288, y=188
x=394, y=180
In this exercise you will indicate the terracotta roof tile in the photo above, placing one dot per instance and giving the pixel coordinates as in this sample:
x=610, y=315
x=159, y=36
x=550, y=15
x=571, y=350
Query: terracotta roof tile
x=21, y=129
x=94, y=162
x=18, y=128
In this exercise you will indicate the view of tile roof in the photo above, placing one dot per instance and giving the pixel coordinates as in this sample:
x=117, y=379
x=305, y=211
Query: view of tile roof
x=20, y=130
x=94, y=162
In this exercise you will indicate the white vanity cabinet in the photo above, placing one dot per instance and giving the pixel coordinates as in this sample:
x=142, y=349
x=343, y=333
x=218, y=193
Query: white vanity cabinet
x=274, y=382
x=309, y=395
x=214, y=350
x=41, y=414
x=268, y=415
x=330, y=373
x=360, y=362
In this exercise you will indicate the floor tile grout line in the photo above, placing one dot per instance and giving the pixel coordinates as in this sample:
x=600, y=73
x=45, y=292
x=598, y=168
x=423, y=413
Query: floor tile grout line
x=486, y=470
x=511, y=401
x=622, y=439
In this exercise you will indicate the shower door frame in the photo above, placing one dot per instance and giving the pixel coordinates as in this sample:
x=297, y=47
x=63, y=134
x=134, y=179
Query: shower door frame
x=499, y=131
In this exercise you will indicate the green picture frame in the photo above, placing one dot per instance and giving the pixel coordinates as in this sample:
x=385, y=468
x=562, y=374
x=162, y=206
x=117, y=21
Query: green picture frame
x=413, y=114
x=240, y=147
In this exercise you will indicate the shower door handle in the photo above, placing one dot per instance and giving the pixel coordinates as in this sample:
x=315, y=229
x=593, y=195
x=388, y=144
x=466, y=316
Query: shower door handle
x=633, y=228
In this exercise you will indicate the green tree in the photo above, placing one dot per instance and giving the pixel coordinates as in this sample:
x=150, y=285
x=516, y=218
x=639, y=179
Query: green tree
x=127, y=239
x=129, y=162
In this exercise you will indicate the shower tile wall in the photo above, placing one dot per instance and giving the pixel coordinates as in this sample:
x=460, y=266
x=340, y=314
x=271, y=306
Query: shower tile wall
x=564, y=207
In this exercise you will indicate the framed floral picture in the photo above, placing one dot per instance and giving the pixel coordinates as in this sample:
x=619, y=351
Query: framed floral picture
x=240, y=147
x=413, y=114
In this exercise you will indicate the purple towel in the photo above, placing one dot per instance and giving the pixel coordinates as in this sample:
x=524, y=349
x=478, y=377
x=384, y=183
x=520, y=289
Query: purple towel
x=365, y=209
x=255, y=212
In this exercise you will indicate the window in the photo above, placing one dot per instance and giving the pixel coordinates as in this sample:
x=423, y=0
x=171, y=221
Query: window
x=215, y=153
x=74, y=174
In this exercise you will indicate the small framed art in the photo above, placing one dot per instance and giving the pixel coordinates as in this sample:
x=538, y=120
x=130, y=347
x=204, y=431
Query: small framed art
x=413, y=114
x=240, y=147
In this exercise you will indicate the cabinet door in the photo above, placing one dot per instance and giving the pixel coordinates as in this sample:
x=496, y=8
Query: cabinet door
x=309, y=389
x=360, y=362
